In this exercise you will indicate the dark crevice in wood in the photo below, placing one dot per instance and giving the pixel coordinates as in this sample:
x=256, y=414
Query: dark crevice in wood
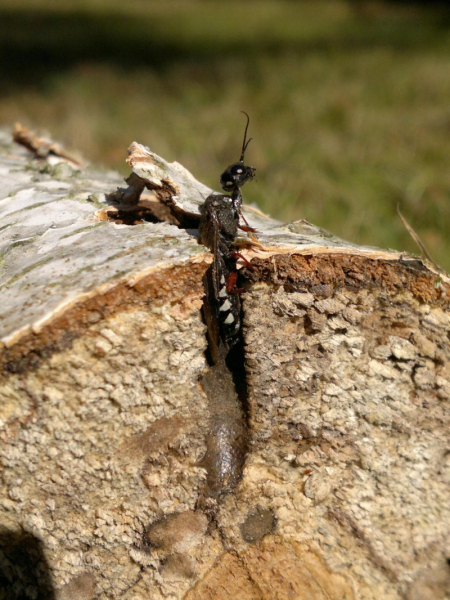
x=225, y=386
x=130, y=207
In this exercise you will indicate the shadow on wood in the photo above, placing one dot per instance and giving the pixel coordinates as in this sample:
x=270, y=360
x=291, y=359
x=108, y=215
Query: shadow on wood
x=24, y=572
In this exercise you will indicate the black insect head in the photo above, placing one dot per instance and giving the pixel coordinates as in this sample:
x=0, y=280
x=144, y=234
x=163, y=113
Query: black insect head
x=237, y=174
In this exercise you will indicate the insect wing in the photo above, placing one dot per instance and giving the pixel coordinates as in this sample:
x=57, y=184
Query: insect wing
x=209, y=235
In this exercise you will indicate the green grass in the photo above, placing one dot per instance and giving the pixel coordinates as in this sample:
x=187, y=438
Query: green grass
x=350, y=108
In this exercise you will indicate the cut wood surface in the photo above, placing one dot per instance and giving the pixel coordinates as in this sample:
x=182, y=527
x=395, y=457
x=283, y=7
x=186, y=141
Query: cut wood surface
x=346, y=485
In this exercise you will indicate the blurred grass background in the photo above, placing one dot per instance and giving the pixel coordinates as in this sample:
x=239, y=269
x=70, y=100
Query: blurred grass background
x=349, y=100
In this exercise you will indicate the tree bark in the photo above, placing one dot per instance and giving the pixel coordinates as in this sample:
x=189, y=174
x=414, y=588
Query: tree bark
x=345, y=491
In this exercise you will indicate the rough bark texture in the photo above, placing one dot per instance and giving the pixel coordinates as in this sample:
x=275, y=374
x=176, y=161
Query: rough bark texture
x=345, y=493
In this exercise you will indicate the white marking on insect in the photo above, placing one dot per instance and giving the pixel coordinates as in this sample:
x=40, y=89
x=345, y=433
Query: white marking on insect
x=225, y=306
x=222, y=279
x=223, y=292
x=229, y=319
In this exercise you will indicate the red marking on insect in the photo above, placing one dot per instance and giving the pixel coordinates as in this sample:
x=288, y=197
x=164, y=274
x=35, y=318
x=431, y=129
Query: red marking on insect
x=231, y=282
x=307, y=471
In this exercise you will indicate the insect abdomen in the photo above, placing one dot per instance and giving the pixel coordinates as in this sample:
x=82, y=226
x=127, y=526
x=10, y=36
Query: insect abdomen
x=229, y=313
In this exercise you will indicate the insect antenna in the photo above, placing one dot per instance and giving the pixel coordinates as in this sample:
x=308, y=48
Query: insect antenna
x=246, y=142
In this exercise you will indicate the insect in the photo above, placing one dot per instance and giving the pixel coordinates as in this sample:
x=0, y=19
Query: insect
x=224, y=381
x=219, y=224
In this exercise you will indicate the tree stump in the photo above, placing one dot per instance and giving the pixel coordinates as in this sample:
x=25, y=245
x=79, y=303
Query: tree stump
x=345, y=490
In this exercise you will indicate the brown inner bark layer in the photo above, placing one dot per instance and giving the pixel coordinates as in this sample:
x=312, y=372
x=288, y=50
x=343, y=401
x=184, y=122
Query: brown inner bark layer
x=176, y=285
x=321, y=273
x=331, y=271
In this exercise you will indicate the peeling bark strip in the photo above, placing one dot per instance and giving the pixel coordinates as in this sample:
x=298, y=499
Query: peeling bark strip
x=103, y=422
x=43, y=148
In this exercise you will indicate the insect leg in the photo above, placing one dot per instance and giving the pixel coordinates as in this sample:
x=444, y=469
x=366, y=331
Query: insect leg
x=231, y=284
x=245, y=227
x=237, y=255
